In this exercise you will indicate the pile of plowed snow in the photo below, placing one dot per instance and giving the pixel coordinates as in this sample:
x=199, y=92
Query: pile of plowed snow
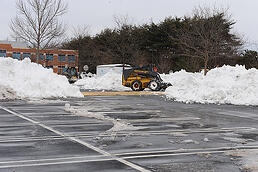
x=224, y=85
x=24, y=79
x=110, y=81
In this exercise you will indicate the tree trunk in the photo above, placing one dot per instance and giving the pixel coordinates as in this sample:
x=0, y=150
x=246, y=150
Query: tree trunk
x=37, y=55
x=205, y=65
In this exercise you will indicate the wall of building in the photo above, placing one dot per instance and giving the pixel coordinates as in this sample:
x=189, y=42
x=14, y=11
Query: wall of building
x=56, y=59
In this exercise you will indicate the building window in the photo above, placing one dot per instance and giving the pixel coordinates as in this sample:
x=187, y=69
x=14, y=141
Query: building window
x=17, y=55
x=49, y=57
x=61, y=58
x=61, y=69
x=26, y=55
x=49, y=67
x=41, y=57
x=2, y=53
x=71, y=58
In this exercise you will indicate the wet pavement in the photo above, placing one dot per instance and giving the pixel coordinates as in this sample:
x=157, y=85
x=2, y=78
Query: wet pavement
x=124, y=133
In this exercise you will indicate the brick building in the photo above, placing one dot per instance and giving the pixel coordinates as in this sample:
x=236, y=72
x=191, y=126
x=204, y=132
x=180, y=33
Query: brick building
x=57, y=59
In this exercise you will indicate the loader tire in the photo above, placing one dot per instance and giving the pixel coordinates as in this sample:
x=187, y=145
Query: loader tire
x=154, y=85
x=136, y=86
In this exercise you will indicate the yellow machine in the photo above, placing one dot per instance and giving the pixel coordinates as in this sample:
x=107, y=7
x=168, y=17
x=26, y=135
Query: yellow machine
x=139, y=78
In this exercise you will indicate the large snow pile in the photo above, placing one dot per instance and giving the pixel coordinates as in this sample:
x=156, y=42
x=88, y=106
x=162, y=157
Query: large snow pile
x=109, y=81
x=224, y=85
x=25, y=79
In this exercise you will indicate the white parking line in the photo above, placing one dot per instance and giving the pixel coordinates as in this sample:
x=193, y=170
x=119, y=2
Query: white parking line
x=133, y=155
x=55, y=163
x=240, y=114
x=132, y=165
x=128, y=112
x=93, y=157
x=132, y=133
x=129, y=155
x=184, y=153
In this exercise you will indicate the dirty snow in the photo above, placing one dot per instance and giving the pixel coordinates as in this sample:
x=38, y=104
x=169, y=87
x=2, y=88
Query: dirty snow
x=249, y=158
x=24, y=79
x=118, y=124
x=223, y=85
x=6, y=93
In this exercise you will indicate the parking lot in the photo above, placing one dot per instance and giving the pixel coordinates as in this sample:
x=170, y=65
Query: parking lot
x=124, y=133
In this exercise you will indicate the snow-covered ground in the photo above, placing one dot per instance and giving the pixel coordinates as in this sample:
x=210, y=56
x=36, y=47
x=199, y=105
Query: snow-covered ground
x=110, y=81
x=224, y=85
x=24, y=79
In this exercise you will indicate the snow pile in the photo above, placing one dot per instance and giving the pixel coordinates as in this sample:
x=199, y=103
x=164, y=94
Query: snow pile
x=109, y=81
x=224, y=85
x=25, y=79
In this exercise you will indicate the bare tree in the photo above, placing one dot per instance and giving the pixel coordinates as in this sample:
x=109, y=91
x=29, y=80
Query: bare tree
x=38, y=22
x=81, y=31
x=123, y=20
x=207, y=36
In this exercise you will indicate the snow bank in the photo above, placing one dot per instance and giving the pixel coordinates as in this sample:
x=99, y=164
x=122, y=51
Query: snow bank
x=25, y=79
x=109, y=81
x=224, y=85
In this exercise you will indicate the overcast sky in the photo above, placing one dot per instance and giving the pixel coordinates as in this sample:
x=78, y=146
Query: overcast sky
x=99, y=14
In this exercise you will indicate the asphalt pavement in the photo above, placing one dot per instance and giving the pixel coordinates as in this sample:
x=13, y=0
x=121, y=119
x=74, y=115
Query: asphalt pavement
x=124, y=133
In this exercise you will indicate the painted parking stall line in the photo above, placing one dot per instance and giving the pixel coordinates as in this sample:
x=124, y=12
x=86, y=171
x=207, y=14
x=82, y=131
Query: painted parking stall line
x=132, y=165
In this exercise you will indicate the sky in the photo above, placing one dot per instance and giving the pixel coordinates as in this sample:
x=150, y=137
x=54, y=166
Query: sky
x=99, y=14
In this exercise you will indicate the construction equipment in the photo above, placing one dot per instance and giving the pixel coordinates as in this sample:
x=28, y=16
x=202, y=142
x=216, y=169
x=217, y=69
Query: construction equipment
x=139, y=78
x=71, y=74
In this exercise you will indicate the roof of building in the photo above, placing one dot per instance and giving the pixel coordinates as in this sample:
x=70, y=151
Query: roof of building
x=15, y=44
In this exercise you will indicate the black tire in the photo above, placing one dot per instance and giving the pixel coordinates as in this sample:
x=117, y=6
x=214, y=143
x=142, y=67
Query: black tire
x=136, y=86
x=154, y=85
